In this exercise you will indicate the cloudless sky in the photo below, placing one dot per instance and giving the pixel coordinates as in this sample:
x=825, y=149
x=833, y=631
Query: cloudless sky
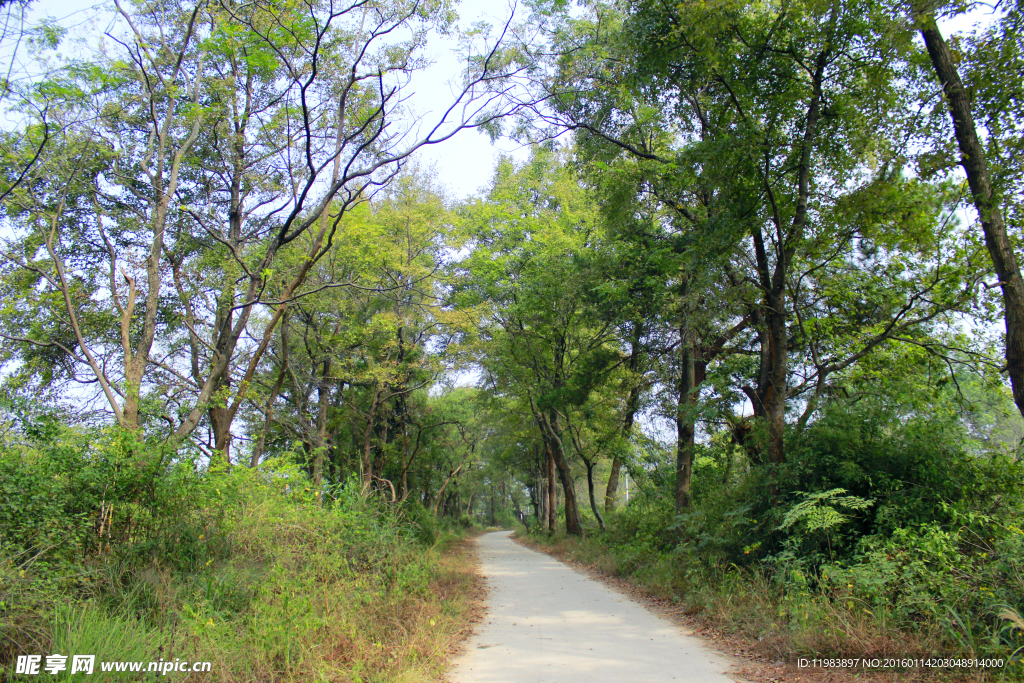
x=466, y=161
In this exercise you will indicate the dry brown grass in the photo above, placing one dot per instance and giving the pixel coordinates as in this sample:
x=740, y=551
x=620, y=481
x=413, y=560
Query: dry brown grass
x=306, y=595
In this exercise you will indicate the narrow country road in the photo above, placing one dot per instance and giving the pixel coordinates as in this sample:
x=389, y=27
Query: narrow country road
x=546, y=623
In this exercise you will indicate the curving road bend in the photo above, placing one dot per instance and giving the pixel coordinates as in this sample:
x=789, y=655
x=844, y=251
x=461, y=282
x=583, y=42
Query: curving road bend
x=546, y=623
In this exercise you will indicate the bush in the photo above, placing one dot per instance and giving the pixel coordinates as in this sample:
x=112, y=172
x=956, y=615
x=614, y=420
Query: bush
x=424, y=523
x=71, y=494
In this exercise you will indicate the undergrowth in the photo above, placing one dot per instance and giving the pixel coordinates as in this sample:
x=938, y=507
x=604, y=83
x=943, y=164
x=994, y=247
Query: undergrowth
x=250, y=570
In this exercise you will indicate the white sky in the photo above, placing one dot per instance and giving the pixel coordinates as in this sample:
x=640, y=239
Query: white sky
x=465, y=162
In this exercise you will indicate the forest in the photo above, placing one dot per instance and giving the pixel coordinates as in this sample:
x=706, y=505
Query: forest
x=742, y=322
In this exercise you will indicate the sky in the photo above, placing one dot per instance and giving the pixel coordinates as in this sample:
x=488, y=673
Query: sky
x=465, y=163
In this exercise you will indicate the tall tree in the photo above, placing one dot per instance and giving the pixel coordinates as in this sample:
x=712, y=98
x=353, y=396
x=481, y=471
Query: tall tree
x=985, y=196
x=543, y=343
x=753, y=126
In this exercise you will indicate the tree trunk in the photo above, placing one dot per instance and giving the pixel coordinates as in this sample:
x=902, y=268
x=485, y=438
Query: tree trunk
x=447, y=481
x=257, y=451
x=590, y=491
x=572, y=515
x=542, y=490
x=520, y=515
x=770, y=398
x=452, y=476
x=578, y=444
x=494, y=519
x=405, y=460
x=552, y=501
x=542, y=501
x=220, y=414
x=972, y=158
x=776, y=390
x=611, y=492
x=381, y=443
x=686, y=401
x=367, y=460
x=220, y=425
x=535, y=501
x=323, y=396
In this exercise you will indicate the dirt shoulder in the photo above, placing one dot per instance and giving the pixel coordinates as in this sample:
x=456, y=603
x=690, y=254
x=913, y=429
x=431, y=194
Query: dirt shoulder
x=460, y=581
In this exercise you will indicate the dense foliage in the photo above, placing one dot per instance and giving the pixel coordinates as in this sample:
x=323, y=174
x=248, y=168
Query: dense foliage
x=885, y=541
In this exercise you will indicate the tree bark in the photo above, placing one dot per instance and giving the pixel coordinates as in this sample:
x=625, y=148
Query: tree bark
x=972, y=158
x=590, y=491
x=494, y=519
x=220, y=425
x=774, y=398
x=367, y=460
x=770, y=398
x=572, y=516
x=323, y=396
x=535, y=500
x=440, y=494
x=578, y=444
x=405, y=458
x=542, y=491
x=552, y=500
x=452, y=476
x=257, y=451
x=686, y=400
x=611, y=492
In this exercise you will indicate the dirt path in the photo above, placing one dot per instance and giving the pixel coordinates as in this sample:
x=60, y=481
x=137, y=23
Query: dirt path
x=546, y=623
